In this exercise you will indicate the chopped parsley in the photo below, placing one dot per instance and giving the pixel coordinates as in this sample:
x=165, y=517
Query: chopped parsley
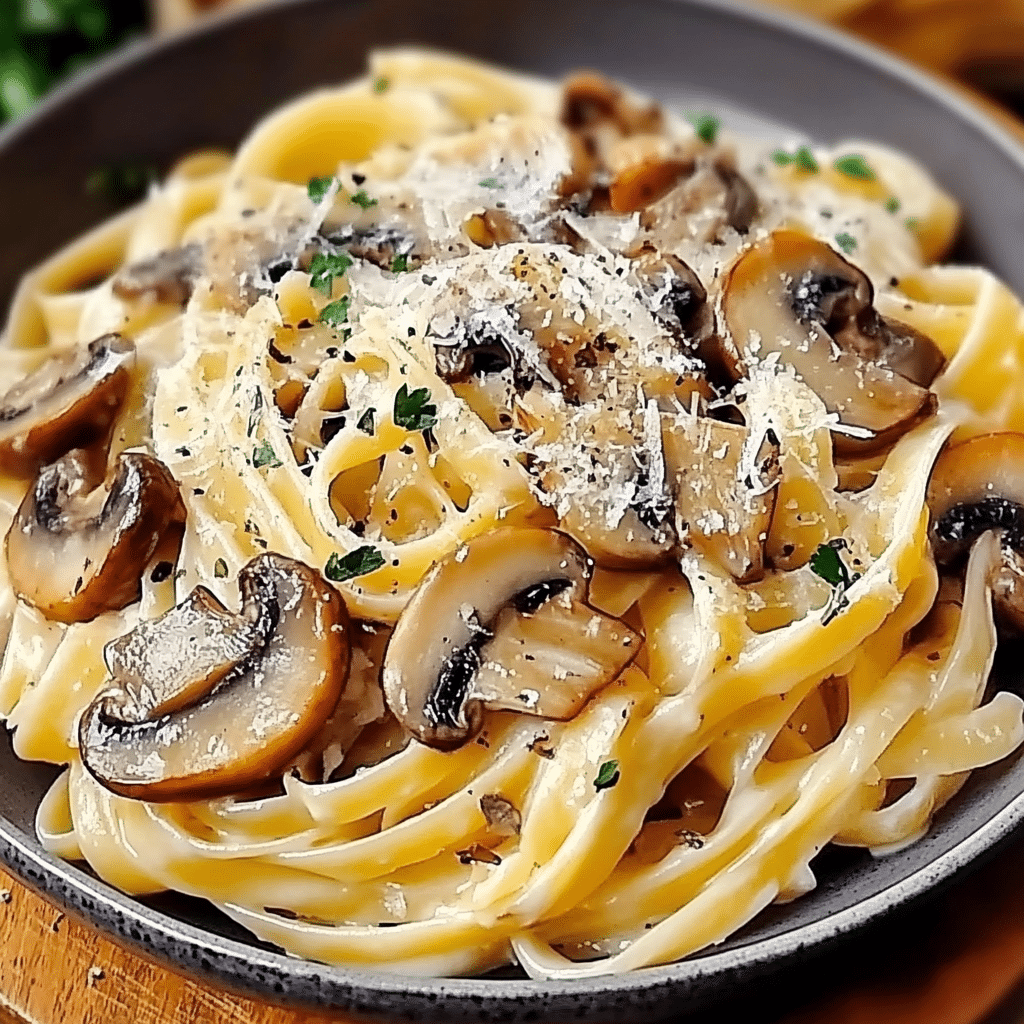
x=324, y=267
x=220, y=568
x=399, y=264
x=336, y=313
x=802, y=158
x=412, y=410
x=705, y=126
x=380, y=84
x=854, y=166
x=366, y=424
x=827, y=563
x=319, y=187
x=265, y=455
x=607, y=775
x=892, y=204
x=355, y=563
x=489, y=183
x=846, y=242
x=362, y=200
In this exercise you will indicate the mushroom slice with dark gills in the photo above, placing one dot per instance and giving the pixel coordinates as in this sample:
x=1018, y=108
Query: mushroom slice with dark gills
x=501, y=624
x=794, y=298
x=168, y=277
x=675, y=296
x=724, y=482
x=977, y=486
x=252, y=690
x=78, y=547
x=68, y=402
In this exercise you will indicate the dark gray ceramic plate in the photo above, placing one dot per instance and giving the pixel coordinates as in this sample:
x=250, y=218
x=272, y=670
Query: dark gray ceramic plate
x=161, y=100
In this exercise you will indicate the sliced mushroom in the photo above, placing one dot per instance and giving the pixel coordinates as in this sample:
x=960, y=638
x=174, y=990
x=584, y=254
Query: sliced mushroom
x=675, y=295
x=76, y=549
x=69, y=402
x=501, y=624
x=169, y=276
x=276, y=672
x=977, y=486
x=492, y=227
x=795, y=298
x=589, y=100
x=635, y=188
x=741, y=202
x=724, y=482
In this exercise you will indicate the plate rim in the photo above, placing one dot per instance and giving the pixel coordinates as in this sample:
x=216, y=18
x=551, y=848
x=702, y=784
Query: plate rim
x=124, y=920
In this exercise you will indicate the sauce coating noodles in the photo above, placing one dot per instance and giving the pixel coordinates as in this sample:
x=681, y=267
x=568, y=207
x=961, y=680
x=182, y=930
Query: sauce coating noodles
x=554, y=474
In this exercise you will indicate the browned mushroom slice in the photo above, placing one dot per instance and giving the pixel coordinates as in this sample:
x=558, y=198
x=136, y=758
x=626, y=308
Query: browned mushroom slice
x=169, y=276
x=75, y=549
x=676, y=296
x=724, y=485
x=69, y=402
x=589, y=99
x=260, y=713
x=175, y=660
x=795, y=298
x=501, y=624
x=636, y=187
x=741, y=202
x=977, y=486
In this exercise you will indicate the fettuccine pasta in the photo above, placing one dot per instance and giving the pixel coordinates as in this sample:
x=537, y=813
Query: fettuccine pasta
x=487, y=520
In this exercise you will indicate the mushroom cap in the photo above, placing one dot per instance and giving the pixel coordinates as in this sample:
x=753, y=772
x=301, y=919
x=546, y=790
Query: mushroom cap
x=258, y=716
x=76, y=550
x=169, y=276
x=796, y=298
x=448, y=658
x=68, y=402
x=977, y=486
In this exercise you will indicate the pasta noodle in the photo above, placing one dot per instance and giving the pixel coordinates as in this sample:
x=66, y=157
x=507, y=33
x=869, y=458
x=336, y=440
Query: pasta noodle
x=391, y=380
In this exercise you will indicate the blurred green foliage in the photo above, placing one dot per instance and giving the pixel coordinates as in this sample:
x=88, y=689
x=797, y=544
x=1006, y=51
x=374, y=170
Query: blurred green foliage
x=44, y=41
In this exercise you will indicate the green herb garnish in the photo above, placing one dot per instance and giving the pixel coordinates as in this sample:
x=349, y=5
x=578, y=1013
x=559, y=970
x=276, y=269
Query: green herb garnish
x=336, y=313
x=265, y=455
x=220, y=568
x=399, y=264
x=892, y=204
x=854, y=166
x=706, y=126
x=319, y=187
x=802, y=158
x=380, y=84
x=325, y=267
x=412, y=410
x=355, y=563
x=361, y=199
x=846, y=242
x=607, y=775
x=366, y=424
x=827, y=563
x=489, y=183
x=121, y=184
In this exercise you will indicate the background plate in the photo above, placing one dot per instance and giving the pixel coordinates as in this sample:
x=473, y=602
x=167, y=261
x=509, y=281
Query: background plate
x=158, y=101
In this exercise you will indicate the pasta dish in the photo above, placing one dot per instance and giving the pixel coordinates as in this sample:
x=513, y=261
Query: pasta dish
x=490, y=521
